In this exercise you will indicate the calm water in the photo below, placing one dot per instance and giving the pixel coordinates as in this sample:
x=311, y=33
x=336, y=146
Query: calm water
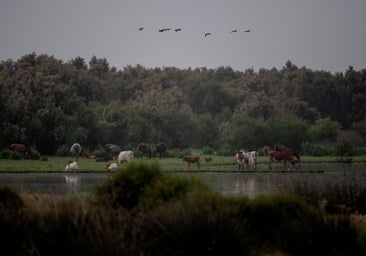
x=227, y=183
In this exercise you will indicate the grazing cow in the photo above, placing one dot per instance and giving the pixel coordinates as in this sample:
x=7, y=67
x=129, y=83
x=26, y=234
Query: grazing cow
x=281, y=153
x=125, y=156
x=23, y=149
x=111, y=166
x=144, y=149
x=240, y=159
x=112, y=150
x=251, y=159
x=72, y=166
x=75, y=150
x=160, y=148
x=192, y=159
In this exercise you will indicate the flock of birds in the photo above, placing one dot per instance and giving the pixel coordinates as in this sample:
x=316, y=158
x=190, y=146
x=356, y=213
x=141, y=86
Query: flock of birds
x=180, y=29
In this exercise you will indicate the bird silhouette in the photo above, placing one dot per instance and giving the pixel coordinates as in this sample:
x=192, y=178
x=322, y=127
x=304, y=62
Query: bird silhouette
x=246, y=31
x=164, y=29
x=207, y=34
x=177, y=29
x=233, y=31
x=141, y=28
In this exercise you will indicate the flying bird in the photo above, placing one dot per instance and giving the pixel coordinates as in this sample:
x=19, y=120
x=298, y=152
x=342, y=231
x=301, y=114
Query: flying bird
x=233, y=31
x=141, y=28
x=177, y=29
x=207, y=34
x=246, y=31
x=164, y=29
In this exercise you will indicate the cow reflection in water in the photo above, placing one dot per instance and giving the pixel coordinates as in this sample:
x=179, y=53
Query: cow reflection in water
x=72, y=183
x=247, y=187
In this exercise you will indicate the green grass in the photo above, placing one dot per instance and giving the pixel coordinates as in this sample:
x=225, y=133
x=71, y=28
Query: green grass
x=208, y=163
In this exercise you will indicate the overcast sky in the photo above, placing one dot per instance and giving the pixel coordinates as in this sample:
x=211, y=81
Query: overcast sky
x=325, y=35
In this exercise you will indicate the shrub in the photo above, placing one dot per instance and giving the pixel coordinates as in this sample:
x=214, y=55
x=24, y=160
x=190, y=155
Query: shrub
x=226, y=150
x=141, y=184
x=5, y=154
x=316, y=149
x=207, y=151
x=64, y=150
x=344, y=148
x=35, y=154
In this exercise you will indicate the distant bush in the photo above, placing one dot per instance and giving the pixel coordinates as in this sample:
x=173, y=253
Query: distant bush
x=344, y=148
x=226, y=150
x=63, y=151
x=5, y=154
x=208, y=151
x=14, y=155
x=35, y=154
x=177, y=153
x=312, y=149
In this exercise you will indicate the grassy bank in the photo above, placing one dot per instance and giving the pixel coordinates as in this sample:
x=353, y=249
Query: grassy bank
x=208, y=163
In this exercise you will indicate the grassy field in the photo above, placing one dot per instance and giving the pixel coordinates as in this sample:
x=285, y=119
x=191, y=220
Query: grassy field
x=208, y=163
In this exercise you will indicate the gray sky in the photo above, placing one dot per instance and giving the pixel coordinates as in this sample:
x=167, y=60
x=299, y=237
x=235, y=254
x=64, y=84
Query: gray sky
x=319, y=34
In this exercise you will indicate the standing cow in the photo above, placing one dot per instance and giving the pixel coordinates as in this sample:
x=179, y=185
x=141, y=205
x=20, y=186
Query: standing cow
x=112, y=150
x=160, y=149
x=192, y=159
x=240, y=159
x=75, y=151
x=144, y=149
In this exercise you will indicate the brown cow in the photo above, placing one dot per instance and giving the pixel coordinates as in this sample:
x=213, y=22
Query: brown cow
x=144, y=149
x=192, y=159
x=23, y=149
x=282, y=154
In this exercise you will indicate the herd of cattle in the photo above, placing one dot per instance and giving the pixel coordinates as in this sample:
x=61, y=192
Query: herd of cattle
x=244, y=160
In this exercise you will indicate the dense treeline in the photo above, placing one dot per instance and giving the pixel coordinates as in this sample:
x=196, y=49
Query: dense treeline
x=47, y=103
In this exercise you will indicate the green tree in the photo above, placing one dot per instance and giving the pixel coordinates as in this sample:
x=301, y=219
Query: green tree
x=324, y=130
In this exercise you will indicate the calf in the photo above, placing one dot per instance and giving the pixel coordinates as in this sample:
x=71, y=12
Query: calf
x=111, y=166
x=71, y=166
x=192, y=159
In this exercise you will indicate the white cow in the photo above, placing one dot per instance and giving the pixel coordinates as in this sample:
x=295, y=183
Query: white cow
x=112, y=166
x=251, y=157
x=125, y=156
x=72, y=166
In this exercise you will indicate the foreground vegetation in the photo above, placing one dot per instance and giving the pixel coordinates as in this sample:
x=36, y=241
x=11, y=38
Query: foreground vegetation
x=141, y=210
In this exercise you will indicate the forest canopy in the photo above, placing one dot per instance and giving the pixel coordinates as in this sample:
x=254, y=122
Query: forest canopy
x=48, y=103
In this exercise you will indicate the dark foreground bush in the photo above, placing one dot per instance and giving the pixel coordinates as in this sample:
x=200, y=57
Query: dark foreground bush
x=267, y=225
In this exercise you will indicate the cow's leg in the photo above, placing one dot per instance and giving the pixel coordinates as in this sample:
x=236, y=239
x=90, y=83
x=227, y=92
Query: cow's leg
x=270, y=163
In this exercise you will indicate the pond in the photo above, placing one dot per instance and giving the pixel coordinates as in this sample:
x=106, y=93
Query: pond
x=228, y=183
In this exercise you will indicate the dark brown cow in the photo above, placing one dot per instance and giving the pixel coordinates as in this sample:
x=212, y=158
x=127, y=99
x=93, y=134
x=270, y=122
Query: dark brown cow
x=144, y=149
x=192, y=159
x=23, y=149
x=161, y=150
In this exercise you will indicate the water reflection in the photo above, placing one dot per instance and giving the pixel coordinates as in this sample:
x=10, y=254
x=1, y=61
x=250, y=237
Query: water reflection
x=226, y=183
x=72, y=182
